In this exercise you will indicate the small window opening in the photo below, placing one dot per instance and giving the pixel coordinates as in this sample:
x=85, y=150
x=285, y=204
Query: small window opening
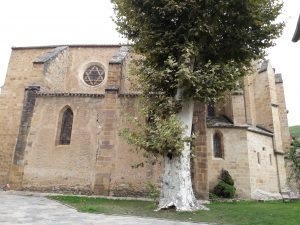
x=258, y=158
x=271, y=163
x=218, y=145
x=66, y=127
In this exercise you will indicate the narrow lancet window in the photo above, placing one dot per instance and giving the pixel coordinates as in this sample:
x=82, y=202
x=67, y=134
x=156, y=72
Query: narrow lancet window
x=66, y=127
x=218, y=145
x=258, y=158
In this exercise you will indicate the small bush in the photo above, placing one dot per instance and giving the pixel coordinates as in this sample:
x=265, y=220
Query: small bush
x=154, y=193
x=225, y=176
x=225, y=188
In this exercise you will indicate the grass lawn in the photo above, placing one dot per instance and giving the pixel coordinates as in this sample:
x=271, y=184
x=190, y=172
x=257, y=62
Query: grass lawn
x=243, y=212
x=295, y=131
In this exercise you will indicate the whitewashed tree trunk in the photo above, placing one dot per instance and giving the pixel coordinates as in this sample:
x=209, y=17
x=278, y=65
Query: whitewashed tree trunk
x=176, y=187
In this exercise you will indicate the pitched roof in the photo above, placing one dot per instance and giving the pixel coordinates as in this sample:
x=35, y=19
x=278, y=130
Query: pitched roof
x=50, y=55
x=296, y=36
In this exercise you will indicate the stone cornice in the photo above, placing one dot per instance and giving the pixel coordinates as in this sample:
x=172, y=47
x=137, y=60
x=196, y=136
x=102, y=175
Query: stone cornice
x=131, y=95
x=224, y=123
x=243, y=128
x=90, y=95
x=69, y=94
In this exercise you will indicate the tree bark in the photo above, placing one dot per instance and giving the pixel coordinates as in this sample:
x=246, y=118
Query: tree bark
x=176, y=187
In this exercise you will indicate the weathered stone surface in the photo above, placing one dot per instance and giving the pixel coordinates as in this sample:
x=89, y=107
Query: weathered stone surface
x=97, y=159
x=265, y=196
x=120, y=56
x=50, y=55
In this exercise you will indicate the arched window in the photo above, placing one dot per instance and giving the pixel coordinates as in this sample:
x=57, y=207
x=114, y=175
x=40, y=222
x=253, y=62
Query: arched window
x=218, y=145
x=66, y=127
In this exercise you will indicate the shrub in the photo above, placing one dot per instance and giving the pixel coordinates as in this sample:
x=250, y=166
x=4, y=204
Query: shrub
x=225, y=176
x=154, y=192
x=225, y=188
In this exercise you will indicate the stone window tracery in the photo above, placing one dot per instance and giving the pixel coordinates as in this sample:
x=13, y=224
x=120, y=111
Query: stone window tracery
x=94, y=75
x=66, y=127
x=218, y=145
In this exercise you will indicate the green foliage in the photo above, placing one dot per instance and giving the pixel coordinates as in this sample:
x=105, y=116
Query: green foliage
x=225, y=176
x=294, y=159
x=158, y=137
x=153, y=192
x=295, y=131
x=221, y=30
x=191, y=49
x=205, y=82
x=225, y=188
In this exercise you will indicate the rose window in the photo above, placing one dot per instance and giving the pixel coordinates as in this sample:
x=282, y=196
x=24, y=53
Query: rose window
x=94, y=75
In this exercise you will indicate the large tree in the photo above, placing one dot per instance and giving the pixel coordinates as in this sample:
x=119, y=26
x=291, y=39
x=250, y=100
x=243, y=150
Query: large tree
x=190, y=50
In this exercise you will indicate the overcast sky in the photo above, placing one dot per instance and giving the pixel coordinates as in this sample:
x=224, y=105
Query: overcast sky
x=40, y=22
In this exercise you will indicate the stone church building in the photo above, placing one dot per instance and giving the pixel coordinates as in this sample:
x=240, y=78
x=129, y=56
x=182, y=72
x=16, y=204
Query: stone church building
x=61, y=109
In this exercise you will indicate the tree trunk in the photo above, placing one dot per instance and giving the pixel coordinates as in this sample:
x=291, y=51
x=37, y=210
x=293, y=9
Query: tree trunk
x=176, y=187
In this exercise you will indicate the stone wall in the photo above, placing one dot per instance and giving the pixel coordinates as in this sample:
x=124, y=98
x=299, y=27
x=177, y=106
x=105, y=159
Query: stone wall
x=62, y=167
x=25, y=70
x=9, y=118
x=54, y=65
x=199, y=162
x=285, y=134
x=83, y=57
x=276, y=124
x=235, y=159
x=262, y=162
x=262, y=100
x=17, y=166
x=19, y=75
x=250, y=159
x=98, y=160
x=238, y=109
x=126, y=180
x=249, y=99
